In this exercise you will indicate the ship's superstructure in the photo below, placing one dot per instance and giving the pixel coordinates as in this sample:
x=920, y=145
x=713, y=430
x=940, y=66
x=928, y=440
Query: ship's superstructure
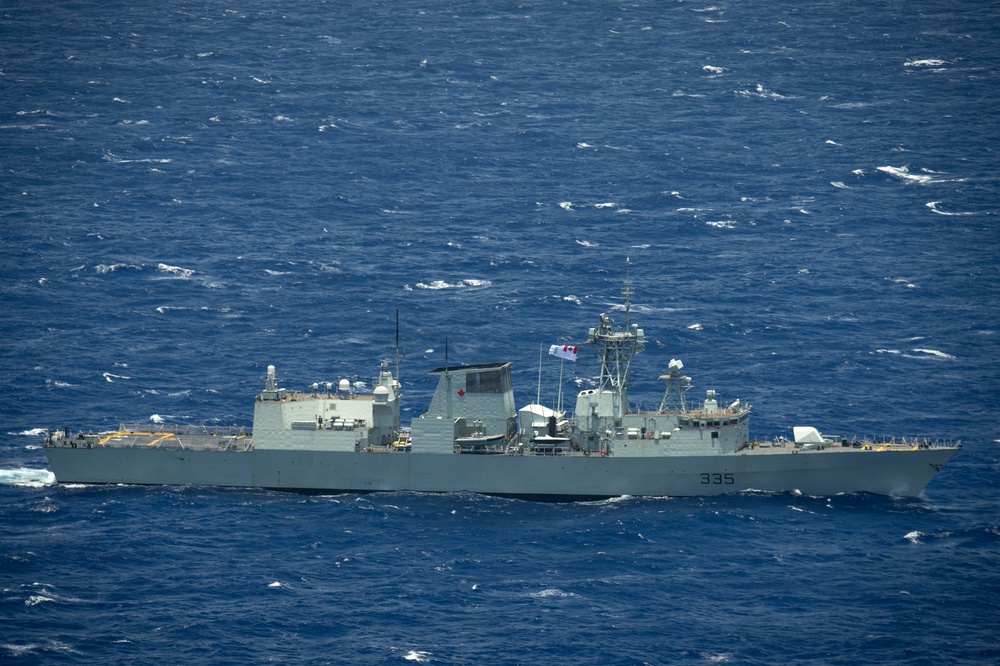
x=473, y=438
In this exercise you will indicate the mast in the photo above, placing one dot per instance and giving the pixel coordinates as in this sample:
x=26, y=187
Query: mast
x=538, y=400
x=400, y=353
x=616, y=349
x=447, y=377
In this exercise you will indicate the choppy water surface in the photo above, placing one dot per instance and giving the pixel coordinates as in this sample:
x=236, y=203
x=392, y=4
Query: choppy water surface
x=807, y=193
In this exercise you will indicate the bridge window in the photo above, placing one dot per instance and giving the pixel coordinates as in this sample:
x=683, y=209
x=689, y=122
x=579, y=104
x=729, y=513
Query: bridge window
x=485, y=381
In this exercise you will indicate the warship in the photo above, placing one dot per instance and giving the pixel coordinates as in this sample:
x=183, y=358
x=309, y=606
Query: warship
x=473, y=438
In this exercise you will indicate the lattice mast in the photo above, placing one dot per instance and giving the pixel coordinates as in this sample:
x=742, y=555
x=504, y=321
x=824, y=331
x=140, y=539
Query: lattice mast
x=616, y=349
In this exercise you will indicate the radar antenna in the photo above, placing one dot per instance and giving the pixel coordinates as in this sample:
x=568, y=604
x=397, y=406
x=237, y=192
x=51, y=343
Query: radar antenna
x=677, y=386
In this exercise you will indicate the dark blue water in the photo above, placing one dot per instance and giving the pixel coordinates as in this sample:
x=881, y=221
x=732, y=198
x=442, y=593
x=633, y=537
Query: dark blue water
x=808, y=192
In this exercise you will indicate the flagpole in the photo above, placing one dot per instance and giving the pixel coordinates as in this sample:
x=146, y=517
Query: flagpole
x=562, y=362
x=538, y=399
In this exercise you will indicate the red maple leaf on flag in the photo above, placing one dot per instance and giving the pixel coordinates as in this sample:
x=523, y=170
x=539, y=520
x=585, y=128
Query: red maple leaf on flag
x=461, y=392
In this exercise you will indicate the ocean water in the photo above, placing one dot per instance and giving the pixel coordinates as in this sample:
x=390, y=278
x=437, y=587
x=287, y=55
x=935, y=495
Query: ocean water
x=808, y=194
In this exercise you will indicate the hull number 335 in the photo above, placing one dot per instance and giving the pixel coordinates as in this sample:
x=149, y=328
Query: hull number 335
x=717, y=479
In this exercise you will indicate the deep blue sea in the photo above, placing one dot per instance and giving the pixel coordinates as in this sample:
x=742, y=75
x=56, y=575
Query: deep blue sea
x=809, y=193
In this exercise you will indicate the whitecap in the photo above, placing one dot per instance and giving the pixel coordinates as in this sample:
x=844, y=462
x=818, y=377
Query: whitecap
x=722, y=224
x=156, y=418
x=27, y=477
x=103, y=269
x=572, y=299
x=695, y=327
x=586, y=243
x=108, y=376
x=713, y=70
x=831, y=142
x=605, y=205
x=933, y=206
x=552, y=592
x=930, y=62
x=418, y=656
x=34, y=432
x=566, y=205
x=888, y=351
x=933, y=352
x=760, y=91
x=441, y=284
x=36, y=599
x=914, y=537
x=583, y=145
x=175, y=270
x=839, y=184
x=903, y=173
x=275, y=584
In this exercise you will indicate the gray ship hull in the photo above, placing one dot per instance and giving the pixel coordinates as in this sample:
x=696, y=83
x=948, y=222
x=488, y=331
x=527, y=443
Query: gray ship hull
x=902, y=473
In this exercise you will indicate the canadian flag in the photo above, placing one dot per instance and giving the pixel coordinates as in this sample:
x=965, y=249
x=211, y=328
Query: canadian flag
x=564, y=351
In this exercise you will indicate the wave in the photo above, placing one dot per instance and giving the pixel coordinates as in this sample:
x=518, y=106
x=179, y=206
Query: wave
x=927, y=177
x=182, y=273
x=761, y=91
x=933, y=206
x=930, y=62
x=553, y=592
x=34, y=432
x=56, y=383
x=441, y=284
x=108, y=377
x=103, y=269
x=27, y=477
x=933, y=352
x=111, y=157
x=925, y=353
